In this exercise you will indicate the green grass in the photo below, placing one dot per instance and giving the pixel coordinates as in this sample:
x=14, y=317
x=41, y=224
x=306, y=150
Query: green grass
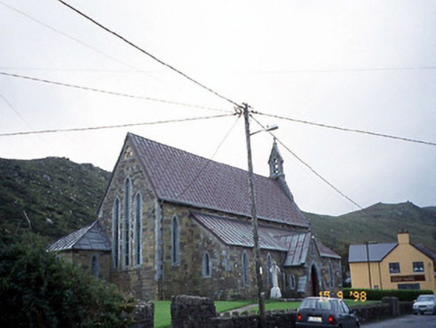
x=162, y=313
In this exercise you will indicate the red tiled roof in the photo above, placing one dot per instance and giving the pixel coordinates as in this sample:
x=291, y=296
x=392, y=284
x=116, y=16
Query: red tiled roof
x=182, y=177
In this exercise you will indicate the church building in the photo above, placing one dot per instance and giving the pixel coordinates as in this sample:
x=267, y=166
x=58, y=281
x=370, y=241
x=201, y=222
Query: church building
x=178, y=223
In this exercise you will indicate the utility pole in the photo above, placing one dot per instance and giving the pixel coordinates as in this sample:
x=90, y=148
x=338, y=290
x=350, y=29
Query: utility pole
x=256, y=248
x=369, y=265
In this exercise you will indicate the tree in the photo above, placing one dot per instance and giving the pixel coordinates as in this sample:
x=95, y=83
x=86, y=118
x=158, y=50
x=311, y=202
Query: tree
x=39, y=290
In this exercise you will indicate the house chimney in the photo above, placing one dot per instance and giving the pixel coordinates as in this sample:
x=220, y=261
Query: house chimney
x=403, y=237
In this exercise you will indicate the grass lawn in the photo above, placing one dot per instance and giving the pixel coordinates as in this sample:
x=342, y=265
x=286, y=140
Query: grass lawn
x=162, y=312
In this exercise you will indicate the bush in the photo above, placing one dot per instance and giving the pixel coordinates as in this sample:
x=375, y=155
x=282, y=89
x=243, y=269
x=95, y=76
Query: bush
x=39, y=290
x=378, y=294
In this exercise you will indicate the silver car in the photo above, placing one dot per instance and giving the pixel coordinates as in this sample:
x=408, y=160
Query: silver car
x=425, y=304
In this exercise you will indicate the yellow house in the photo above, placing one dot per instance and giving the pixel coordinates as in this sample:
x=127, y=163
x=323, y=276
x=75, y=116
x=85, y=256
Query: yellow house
x=398, y=265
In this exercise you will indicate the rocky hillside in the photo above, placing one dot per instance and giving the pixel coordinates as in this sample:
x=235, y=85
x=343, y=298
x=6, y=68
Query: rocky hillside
x=379, y=223
x=51, y=196
x=54, y=196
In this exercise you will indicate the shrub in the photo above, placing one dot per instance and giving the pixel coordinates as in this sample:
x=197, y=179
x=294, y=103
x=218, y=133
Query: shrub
x=378, y=294
x=39, y=290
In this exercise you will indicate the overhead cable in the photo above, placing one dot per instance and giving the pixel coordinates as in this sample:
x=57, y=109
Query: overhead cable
x=348, y=130
x=177, y=197
x=113, y=126
x=308, y=166
x=68, y=36
x=148, y=54
x=109, y=92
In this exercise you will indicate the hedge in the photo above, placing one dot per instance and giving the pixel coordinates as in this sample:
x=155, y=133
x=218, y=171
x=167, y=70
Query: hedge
x=378, y=294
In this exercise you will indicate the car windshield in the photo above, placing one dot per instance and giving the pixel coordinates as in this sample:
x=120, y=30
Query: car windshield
x=425, y=298
x=324, y=304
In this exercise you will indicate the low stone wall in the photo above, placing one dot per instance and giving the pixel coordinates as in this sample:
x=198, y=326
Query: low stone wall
x=142, y=315
x=198, y=312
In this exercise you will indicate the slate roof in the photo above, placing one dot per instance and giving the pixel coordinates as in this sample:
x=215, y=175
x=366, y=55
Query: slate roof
x=90, y=237
x=298, y=246
x=181, y=177
x=426, y=251
x=324, y=251
x=240, y=233
x=377, y=252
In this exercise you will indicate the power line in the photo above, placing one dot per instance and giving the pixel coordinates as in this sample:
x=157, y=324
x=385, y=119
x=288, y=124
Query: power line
x=66, y=35
x=348, y=130
x=345, y=70
x=210, y=161
x=148, y=54
x=113, y=126
x=308, y=166
x=35, y=79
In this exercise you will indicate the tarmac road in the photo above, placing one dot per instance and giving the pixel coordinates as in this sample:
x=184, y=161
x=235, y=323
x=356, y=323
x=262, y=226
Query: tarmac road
x=407, y=321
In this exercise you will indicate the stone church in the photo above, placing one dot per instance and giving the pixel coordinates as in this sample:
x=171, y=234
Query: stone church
x=172, y=223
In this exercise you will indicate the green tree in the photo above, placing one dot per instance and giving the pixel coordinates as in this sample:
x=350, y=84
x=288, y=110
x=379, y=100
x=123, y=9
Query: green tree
x=39, y=290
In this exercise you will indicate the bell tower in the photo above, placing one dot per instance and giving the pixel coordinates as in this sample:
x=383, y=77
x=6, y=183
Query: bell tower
x=276, y=169
x=275, y=162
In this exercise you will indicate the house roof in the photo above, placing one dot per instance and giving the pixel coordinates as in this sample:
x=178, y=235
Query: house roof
x=376, y=252
x=298, y=246
x=426, y=251
x=90, y=237
x=239, y=233
x=181, y=177
x=324, y=251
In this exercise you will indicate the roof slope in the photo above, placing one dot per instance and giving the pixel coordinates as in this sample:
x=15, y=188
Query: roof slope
x=182, y=177
x=90, y=237
x=376, y=252
x=324, y=251
x=239, y=233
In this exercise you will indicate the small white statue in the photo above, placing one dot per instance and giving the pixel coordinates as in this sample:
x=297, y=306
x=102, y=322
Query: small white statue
x=275, y=270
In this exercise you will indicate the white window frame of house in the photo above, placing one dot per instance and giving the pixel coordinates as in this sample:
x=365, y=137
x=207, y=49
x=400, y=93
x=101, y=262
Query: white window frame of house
x=393, y=267
x=95, y=265
x=116, y=221
x=206, y=265
x=127, y=221
x=331, y=274
x=245, y=268
x=418, y=267
x=175, y=241
x=138, y=230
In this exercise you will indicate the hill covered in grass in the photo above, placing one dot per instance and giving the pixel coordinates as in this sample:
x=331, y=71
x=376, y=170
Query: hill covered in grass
x=50, y=196
x=54, y=196
x=379, y=223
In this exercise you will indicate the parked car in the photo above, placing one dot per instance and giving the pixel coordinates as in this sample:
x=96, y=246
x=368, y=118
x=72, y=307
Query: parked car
x=425, y=304
x=325, y=312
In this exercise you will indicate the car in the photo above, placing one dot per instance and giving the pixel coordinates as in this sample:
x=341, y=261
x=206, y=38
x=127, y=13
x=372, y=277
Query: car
x=325, y=312
x=425, y=304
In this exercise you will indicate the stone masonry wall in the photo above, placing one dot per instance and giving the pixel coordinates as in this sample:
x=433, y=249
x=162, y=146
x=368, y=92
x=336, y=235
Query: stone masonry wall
x=225, y=281
x=134, y=280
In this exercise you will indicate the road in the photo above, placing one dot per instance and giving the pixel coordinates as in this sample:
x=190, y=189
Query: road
x=408, y=321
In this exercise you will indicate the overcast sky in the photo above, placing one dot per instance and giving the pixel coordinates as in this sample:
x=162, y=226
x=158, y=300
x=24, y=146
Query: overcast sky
x=366, y=65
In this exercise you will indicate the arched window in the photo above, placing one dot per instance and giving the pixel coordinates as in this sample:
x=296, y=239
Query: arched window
x=127, y=202
x=331, y=274
x=116, y=233
x=292, y=281
x=138, y=229
x=207, y=266
x=95, y=266
x=245, y=269
x=268, y=267
x=175, y=241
